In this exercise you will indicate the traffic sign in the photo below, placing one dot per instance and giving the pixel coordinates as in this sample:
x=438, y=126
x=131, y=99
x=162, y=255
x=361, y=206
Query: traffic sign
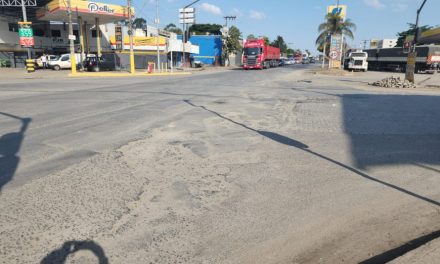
x=334, y=54
x=187, y=10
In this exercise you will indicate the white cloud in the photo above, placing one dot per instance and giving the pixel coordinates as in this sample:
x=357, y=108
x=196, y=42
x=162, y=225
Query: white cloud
x=377, y=4
x=211, y=9
x=257, y=15
x=237, y=12
x=400, y=7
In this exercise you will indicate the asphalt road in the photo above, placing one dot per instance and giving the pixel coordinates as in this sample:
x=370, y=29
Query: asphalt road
x=274, y=166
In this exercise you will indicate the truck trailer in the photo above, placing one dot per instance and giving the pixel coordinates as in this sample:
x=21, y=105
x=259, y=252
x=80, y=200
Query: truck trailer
x=258, y=55
x=394, y=59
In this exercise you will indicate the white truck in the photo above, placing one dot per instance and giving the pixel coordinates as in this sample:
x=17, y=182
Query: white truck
x=63, y=62
x=356, y=61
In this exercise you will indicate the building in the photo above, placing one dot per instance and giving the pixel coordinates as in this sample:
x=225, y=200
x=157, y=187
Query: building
x=382, y=43
x=210, y=49
x=94, y=27
x=387, y=43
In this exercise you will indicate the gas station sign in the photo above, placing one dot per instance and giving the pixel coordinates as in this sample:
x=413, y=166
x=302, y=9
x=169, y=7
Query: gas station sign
x=119, y=40
x=26, y=34
x=340, y=10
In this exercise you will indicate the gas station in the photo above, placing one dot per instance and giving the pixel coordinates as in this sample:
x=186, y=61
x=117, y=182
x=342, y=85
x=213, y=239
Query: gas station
x=88, y=15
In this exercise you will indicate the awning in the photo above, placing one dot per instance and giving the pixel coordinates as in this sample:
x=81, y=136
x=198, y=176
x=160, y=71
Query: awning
x=56, y=10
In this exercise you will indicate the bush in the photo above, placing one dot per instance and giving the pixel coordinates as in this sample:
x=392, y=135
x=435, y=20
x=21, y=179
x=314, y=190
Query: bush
x=5, y=63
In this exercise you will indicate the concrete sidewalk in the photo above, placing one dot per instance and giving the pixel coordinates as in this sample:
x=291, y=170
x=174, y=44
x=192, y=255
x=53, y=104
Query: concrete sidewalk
x=422, y=80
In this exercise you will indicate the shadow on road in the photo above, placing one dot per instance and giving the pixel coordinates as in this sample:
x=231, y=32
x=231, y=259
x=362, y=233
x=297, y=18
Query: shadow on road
x=294, y=143
x=60, y=255
x=401, y=250
x=10, y=145
x=390, y=128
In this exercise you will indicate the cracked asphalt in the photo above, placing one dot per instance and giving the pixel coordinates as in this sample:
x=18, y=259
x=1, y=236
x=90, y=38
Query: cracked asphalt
x=275, y=166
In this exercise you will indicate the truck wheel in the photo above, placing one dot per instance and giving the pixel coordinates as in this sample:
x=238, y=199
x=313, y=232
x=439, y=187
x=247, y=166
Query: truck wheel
x=57, y=67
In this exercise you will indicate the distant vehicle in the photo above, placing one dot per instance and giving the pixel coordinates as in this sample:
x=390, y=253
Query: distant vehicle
x=394, y=59
x=356, y=60
x=107, y=62
x=305, y=58
x=290, y=61
x=258, y=55
x=312, y=60
x=39, y=63
x=63, y=62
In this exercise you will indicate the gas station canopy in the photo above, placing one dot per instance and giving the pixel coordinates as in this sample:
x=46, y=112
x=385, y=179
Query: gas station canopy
x=56, y=10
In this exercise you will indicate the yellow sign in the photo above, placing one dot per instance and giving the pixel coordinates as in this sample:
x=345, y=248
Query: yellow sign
x=86, y=7
x=340, y=10
x=140, y=41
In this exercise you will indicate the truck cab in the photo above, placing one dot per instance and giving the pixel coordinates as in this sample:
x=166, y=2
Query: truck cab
x=356, y=61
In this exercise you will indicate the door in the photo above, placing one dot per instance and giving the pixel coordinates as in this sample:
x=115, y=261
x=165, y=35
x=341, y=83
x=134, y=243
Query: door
x=65, y=61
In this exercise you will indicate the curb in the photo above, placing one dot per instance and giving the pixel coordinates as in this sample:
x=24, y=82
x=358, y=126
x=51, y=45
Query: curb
x=113, y=74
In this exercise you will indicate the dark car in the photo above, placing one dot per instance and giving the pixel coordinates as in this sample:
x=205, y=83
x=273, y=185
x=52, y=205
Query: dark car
x=107, y=62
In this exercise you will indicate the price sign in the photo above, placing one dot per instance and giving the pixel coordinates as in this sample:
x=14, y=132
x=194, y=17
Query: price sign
x=26, y=34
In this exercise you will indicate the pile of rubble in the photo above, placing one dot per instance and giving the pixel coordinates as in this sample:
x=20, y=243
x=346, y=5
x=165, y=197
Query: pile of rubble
x=392, y=82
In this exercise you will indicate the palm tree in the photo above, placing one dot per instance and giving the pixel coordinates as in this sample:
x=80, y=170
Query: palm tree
x=334, y=25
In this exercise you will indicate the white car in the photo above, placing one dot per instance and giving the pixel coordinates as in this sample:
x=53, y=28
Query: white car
x=63, y=62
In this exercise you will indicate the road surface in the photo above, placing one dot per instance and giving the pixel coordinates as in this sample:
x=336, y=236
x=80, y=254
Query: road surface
x=274, y=166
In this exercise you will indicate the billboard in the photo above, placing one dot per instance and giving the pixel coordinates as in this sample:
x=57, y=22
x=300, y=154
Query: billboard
x=341, y=10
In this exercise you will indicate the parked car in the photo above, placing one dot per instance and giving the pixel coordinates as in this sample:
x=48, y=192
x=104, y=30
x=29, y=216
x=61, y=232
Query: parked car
x=290, y=62
x=63, y=62
x=39, y=63
x=107, y=62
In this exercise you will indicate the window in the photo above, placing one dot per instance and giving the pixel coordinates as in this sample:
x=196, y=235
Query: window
x=94, y=34
x=13, y=27
x=38, y=32
x=55, y=33
x=65, y=58
x=75, y=32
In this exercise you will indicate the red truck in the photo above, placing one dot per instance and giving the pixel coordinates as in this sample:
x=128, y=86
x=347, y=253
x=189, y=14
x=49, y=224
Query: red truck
x=258, y=55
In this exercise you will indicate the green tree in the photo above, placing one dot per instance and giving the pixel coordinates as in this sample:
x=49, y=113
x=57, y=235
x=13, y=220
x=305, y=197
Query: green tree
x=280, y=43
x=290, y=51
x=334, y=25
x=203, y=29
x=266, y=40
x=251, y=36
x=231, y=42
x=173, y=28
x=139, y=22
x=410, y=32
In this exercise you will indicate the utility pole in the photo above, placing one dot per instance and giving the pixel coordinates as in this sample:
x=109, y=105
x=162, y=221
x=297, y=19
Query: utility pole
x=157, y=37
x=130, y=37
x=23, y=8
x=229, y=18
x=72, y=44
x=411, y=62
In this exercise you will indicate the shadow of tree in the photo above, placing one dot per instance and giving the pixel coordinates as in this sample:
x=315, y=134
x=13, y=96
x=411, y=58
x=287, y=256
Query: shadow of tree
x=294, y=143
x=60, y=255
x=10, y=145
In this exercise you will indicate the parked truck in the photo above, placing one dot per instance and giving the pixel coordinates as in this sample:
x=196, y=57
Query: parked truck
x=258, y=55
x=394, y=59
x=356, y=60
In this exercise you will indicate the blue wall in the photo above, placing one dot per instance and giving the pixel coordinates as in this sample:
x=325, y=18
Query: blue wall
x=210, y=49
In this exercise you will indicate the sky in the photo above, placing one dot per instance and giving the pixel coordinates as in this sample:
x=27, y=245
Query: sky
x=296, y=20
